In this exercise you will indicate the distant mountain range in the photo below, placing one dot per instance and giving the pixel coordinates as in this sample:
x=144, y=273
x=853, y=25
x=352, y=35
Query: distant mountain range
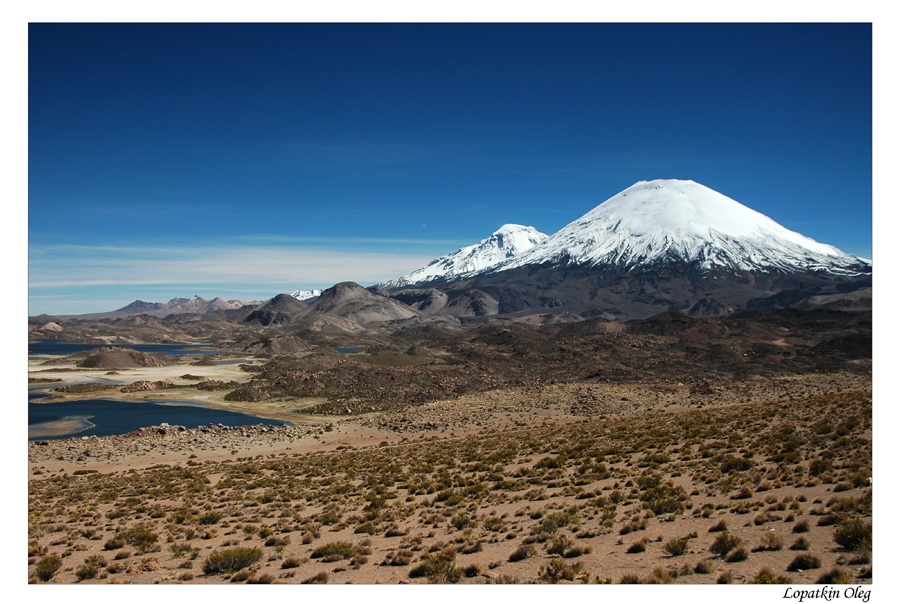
x=194, y=304
x=660, y=245
x=650, y=223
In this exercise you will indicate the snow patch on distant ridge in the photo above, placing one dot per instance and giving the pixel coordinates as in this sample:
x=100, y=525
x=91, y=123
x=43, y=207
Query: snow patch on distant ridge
x=505, y=243
x=306, y=294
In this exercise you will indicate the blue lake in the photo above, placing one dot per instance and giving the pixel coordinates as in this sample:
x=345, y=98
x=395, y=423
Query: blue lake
x=106, y=417
x=62, y=348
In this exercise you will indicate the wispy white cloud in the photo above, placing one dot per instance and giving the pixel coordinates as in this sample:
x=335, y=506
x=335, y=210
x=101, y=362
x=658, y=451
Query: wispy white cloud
x=106, y=265
x=92, y=272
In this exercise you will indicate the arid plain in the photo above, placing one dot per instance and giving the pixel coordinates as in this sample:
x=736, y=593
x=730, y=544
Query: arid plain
x=670, y=450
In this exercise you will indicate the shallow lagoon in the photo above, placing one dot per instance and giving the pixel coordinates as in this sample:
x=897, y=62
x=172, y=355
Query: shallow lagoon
x=58, y=347
x=106, y=417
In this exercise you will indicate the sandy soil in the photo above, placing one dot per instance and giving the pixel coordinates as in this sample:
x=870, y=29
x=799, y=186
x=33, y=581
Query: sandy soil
x=571, y=476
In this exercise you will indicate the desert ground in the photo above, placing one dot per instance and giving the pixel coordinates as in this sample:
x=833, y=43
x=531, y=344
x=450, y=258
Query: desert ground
x=579, y=477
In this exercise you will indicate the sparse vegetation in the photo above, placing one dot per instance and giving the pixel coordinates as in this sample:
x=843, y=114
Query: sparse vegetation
x=231, y=560
x=519, y=502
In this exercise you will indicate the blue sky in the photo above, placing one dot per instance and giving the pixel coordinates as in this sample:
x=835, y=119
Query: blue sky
x=244, y=160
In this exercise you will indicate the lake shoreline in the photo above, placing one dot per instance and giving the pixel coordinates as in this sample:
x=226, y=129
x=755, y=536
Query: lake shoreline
x=182, y=376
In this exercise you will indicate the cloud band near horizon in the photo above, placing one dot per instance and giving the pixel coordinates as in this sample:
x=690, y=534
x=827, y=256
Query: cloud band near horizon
x=68, y=279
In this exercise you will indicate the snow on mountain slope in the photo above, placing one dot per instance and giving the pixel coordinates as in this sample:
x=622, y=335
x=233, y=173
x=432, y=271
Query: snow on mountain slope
x=507, y=242
x=306, y=294
x=663, y=220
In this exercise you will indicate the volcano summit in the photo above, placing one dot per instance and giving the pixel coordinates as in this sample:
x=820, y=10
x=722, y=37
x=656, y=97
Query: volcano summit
x=658, y=245
x=660, y=221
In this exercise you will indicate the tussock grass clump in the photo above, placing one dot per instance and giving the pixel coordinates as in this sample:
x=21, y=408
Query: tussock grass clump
x=677, y=546
x=438, y=567
x=633, y=526
x=738, y=554
x=231, y=560
x=735, y=464
x=180, y=550
x=819, y=466
x=241, y=576
x=209, y=518
x=660, y=576
x=853, y=534
x=804, y=562
x=141, y=537
x=724, y=543
x=472, y=570
x=836, y=576
x=662, y=497
x=319, y=578
x=638, y=547
x=505, y=580
x=525, y=550
x=401, y=557
x=801, y=544
x=116, y=542
x=769, y=542
x=563, y=546
x=556, y=570
x=277, y=542
x=263, y=579
x=552, y=522
x=494, y=524
x=47, y=567
x=90, y=568
x=765, y=576
x=332, y=552
x=394, y=530
x=36, y=549
x=745, y=493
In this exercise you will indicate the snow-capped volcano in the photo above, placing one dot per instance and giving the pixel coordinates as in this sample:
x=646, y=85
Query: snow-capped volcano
x=509, y=241
x=657, y=221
